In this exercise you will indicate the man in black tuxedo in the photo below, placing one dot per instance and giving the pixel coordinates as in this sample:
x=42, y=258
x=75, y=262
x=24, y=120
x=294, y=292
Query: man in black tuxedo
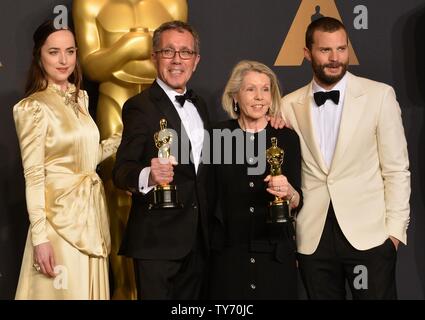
x=169, y=246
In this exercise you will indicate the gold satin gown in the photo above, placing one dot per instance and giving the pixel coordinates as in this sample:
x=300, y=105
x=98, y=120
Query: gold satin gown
x=66, y=204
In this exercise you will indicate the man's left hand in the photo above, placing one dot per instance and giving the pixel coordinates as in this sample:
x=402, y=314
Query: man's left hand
x=276, y=122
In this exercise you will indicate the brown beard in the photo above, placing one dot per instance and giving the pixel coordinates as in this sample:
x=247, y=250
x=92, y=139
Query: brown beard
x=319, y=72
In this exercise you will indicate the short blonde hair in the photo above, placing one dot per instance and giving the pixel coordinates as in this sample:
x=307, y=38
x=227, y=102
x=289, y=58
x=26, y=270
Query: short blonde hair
x=235, y=82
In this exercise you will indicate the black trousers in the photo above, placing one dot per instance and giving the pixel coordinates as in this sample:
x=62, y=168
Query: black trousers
x=172, y=279
x=370, y=273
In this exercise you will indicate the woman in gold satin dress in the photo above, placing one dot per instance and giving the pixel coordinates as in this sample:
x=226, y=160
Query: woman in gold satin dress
x=66, y=253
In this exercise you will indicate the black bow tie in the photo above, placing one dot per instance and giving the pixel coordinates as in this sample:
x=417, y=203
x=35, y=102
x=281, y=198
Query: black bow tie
x=189, y=95
x=320, y=97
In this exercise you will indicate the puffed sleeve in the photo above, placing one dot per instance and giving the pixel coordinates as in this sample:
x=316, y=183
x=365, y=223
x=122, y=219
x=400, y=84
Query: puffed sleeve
x=31, y=128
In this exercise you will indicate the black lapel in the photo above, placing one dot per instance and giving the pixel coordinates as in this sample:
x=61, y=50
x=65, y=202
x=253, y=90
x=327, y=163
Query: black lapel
x=163, y=103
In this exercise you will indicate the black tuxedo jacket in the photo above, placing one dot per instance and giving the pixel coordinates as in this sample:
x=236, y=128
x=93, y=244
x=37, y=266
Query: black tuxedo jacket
x=159, y=234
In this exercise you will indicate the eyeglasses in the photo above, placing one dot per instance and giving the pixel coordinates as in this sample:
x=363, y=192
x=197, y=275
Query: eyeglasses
x=171, y=53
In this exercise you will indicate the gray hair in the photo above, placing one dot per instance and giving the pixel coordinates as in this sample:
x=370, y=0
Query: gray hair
x=235, y=82
x=179, y=26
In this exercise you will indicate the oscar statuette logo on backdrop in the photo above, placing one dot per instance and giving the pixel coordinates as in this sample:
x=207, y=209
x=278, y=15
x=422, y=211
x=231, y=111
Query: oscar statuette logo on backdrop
x=291, y=52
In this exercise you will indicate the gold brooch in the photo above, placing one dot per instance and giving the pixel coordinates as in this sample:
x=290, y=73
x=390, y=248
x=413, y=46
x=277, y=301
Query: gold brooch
x=69, y=99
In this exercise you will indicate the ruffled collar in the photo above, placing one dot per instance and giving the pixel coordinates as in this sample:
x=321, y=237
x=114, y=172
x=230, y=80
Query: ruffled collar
x=69, y=90
x=68, y=96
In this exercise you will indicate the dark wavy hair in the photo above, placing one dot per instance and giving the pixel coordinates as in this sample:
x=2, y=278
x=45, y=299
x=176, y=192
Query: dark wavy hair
x=325, y=24
x=37, y=78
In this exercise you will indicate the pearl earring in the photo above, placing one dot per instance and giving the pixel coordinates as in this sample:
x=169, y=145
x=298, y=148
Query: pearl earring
x=235, y=107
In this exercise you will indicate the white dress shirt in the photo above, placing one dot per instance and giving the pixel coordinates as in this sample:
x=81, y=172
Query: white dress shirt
x=193, y=125
x=326, y=120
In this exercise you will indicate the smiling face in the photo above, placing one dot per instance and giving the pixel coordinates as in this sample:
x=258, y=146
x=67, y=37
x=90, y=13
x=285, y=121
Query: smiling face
x=254, y=97
x=328, y=57
x=176, y=72
x=58, y=57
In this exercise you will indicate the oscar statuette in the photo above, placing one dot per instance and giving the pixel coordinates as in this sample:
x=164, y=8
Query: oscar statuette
x=278, y=209
x=165, y=195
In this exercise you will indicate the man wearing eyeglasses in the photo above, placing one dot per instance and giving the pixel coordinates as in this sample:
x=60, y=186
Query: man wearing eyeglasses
x=168, y=246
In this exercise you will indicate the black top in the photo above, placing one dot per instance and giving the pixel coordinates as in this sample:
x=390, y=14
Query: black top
x=239, y=232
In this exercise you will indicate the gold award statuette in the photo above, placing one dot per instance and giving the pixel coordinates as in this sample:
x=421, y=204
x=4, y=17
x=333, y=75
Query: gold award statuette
x=165, y=195
x=278, y=209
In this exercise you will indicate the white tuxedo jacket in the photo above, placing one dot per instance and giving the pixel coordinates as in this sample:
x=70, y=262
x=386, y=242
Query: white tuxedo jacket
x=368, y=181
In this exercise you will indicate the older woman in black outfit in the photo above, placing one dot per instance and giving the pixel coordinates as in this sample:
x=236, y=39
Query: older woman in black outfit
x=252, y=259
